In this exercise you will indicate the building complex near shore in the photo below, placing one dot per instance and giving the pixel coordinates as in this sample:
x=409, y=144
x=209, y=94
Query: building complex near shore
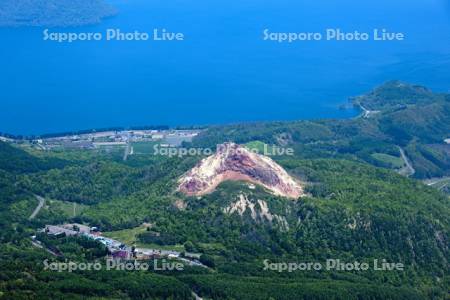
x=94, y=140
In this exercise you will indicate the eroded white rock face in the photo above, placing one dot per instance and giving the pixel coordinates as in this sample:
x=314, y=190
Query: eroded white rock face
x=234, y=162
x=180, y=204
x=259, y=211
x=241, y=206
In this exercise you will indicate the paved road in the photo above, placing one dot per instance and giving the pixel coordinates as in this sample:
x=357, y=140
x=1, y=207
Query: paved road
x=367, y=113
x=433, y=181
x=197, y=297
x=38, y=208
x=439, y=183
x=408, y=170
x=128, y=151
x=38, y=244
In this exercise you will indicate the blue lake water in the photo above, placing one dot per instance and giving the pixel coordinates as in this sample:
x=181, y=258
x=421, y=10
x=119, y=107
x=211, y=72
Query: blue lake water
x=223, y=71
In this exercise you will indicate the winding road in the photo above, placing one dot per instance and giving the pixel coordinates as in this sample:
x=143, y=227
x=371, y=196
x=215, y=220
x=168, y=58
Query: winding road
x=38, y=208
x=128, y=151
x=367, y=113
x=439, y=183
x=408, y=169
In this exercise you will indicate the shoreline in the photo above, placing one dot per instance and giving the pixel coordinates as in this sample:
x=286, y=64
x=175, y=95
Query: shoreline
x=349, y=106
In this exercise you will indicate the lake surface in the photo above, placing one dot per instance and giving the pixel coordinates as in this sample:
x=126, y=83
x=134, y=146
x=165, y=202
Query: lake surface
x=223, y=71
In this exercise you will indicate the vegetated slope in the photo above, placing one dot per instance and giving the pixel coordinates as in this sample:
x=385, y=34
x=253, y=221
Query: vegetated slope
x=53, y=12
x=409, y=112
x=88, y=184
x=396, y=94
x=420, y=127
x=22, y=273
x=351, y=209
x=354, y=212
x=409, y=116
x=16, y=160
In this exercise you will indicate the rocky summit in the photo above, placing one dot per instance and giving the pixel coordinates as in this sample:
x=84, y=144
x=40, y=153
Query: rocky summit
x=235, y=162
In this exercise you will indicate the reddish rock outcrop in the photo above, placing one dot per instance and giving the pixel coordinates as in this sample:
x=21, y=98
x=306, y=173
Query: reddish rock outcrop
x=234, y=162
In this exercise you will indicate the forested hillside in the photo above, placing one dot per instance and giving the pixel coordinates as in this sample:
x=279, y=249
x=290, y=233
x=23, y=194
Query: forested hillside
x=406, y=116
x=357, y=208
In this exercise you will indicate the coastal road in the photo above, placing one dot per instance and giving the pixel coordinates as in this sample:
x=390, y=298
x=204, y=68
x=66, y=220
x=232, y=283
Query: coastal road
x=408, y=169
x=38, y=208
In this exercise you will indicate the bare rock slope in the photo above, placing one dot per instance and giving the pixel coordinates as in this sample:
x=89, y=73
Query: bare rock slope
x=235, y=162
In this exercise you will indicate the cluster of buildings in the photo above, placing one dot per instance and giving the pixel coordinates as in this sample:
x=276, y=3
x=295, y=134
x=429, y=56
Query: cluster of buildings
x=68, y=230
x=115, y=248
x=116, y=138
x=118, y=250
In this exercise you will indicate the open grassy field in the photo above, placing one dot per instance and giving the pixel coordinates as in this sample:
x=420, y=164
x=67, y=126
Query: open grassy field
x=129, y=237
x=144, y=147
x=126, y=236
x=70, y=209
x=394, y=161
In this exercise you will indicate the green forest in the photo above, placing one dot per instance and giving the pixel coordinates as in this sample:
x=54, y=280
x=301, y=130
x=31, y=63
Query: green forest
x=359, y=207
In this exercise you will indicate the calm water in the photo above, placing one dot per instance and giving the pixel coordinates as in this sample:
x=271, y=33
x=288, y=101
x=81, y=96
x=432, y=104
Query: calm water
x=223, y=72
